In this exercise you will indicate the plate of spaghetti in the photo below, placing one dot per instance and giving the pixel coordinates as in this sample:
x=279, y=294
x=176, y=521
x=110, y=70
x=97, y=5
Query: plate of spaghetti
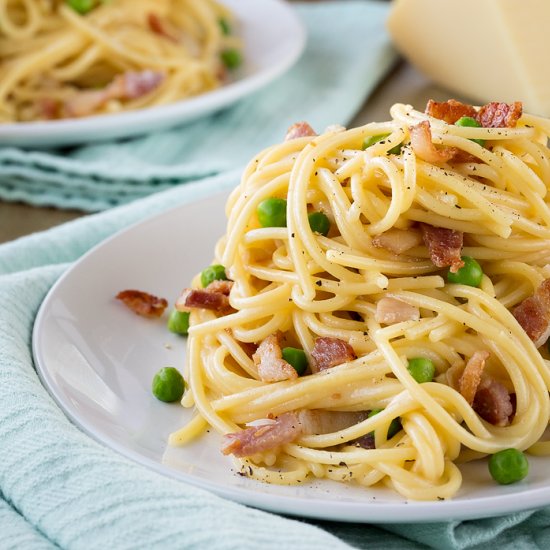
x=74, y=71
x=366, y=320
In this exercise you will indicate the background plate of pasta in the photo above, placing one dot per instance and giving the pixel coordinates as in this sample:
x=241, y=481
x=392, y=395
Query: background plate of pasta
x=85, y=70
x=357, y=332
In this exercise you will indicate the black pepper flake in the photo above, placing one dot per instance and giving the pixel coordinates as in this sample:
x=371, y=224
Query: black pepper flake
x=316, y=173
x=342, y=463
x=319, y=283
x=440, y=498
x=292, y=235
x=365, y=333
x=457, y=206
x=250, y=470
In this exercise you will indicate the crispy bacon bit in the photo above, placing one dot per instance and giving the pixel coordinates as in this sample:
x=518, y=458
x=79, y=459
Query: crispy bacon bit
x=422, y=145
x=444, y=246
x=328, y=352
x=471, y=376
x=269, y=360
x=214, y=297
x=161, y=27
x=265, y=434
x=533, y=314
x=143, y=303
x=492, y=402
x=449, y=111
x=223, y=286
x=390, y=311
x=257, y=439
x=298, y=130
x=398, y=241
x=491, y=115
x=129, y=85
x=499, y=115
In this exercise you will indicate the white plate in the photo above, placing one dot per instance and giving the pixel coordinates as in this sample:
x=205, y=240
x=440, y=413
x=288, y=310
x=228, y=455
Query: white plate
x=273, y=39
x=98, y=359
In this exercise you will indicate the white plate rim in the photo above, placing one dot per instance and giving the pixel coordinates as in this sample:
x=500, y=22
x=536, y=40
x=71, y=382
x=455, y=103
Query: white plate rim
x=130, y=123
x=519, y=499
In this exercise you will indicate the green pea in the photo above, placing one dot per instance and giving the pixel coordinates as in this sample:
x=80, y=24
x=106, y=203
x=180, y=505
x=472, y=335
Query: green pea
x=82, y=6
x=470, y=123
x=421, y=369
x=470, y=274
x=508, y=466
x=319, y=223
x=178, y=322
x=272, y=212
x=213, y=273
x=371, y=140
x=395, y=424
x=168, y=385
x=297, y=358
x=224, y=26
x=231, y=58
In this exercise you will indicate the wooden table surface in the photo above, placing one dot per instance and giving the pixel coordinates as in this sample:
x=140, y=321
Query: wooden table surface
x=403, y=84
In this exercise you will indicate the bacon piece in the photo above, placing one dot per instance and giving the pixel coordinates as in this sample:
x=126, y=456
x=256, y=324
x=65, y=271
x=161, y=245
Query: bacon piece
x=449, y=111
x=214, y=297
x=444, y=246
x=257, y=439
x=366, y=441
x=129, y=85
x=269, y=360
x=390, y=311
x=48, y=108
x=328, y=352
x=422, y=145
x=143, y=303
x=493, y=403
x=471, y=376
x=533, y=314
x=324, y=422
x=267, y=434
x=161, y=27
x=298, y=130
x=223, y=286
x=499, y=115
x=398, y=241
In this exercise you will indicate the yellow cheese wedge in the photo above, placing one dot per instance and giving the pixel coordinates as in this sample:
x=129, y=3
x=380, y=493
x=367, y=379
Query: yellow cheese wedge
x=486, y=50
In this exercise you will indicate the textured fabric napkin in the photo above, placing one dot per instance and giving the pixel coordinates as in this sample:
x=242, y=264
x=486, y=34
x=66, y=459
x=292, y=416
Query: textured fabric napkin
x=347, y=52
x=59, y=488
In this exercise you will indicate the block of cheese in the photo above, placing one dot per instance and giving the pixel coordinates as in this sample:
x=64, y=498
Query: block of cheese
x=486, y=50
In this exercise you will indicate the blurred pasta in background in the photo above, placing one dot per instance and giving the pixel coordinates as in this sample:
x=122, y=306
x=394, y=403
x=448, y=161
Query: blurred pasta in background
x=74, y=58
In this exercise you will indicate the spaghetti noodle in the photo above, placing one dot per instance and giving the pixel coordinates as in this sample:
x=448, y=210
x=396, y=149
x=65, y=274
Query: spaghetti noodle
x=373, y=295
x=73, y=58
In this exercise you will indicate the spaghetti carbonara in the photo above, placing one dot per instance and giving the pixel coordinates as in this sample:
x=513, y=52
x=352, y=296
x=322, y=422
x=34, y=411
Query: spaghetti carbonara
x=74, y=58
x=380, y=302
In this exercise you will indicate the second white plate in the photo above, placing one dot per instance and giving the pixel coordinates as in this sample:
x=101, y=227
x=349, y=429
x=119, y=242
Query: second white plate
x=98, y=359
x=273, y=38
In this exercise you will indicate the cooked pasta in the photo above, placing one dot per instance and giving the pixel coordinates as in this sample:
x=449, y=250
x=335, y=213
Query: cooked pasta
x=74, y=58
x=434, y=260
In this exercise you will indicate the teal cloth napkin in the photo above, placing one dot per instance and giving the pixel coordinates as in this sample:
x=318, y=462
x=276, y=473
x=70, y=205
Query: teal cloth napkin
x=60, y=488
x=347, y=52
